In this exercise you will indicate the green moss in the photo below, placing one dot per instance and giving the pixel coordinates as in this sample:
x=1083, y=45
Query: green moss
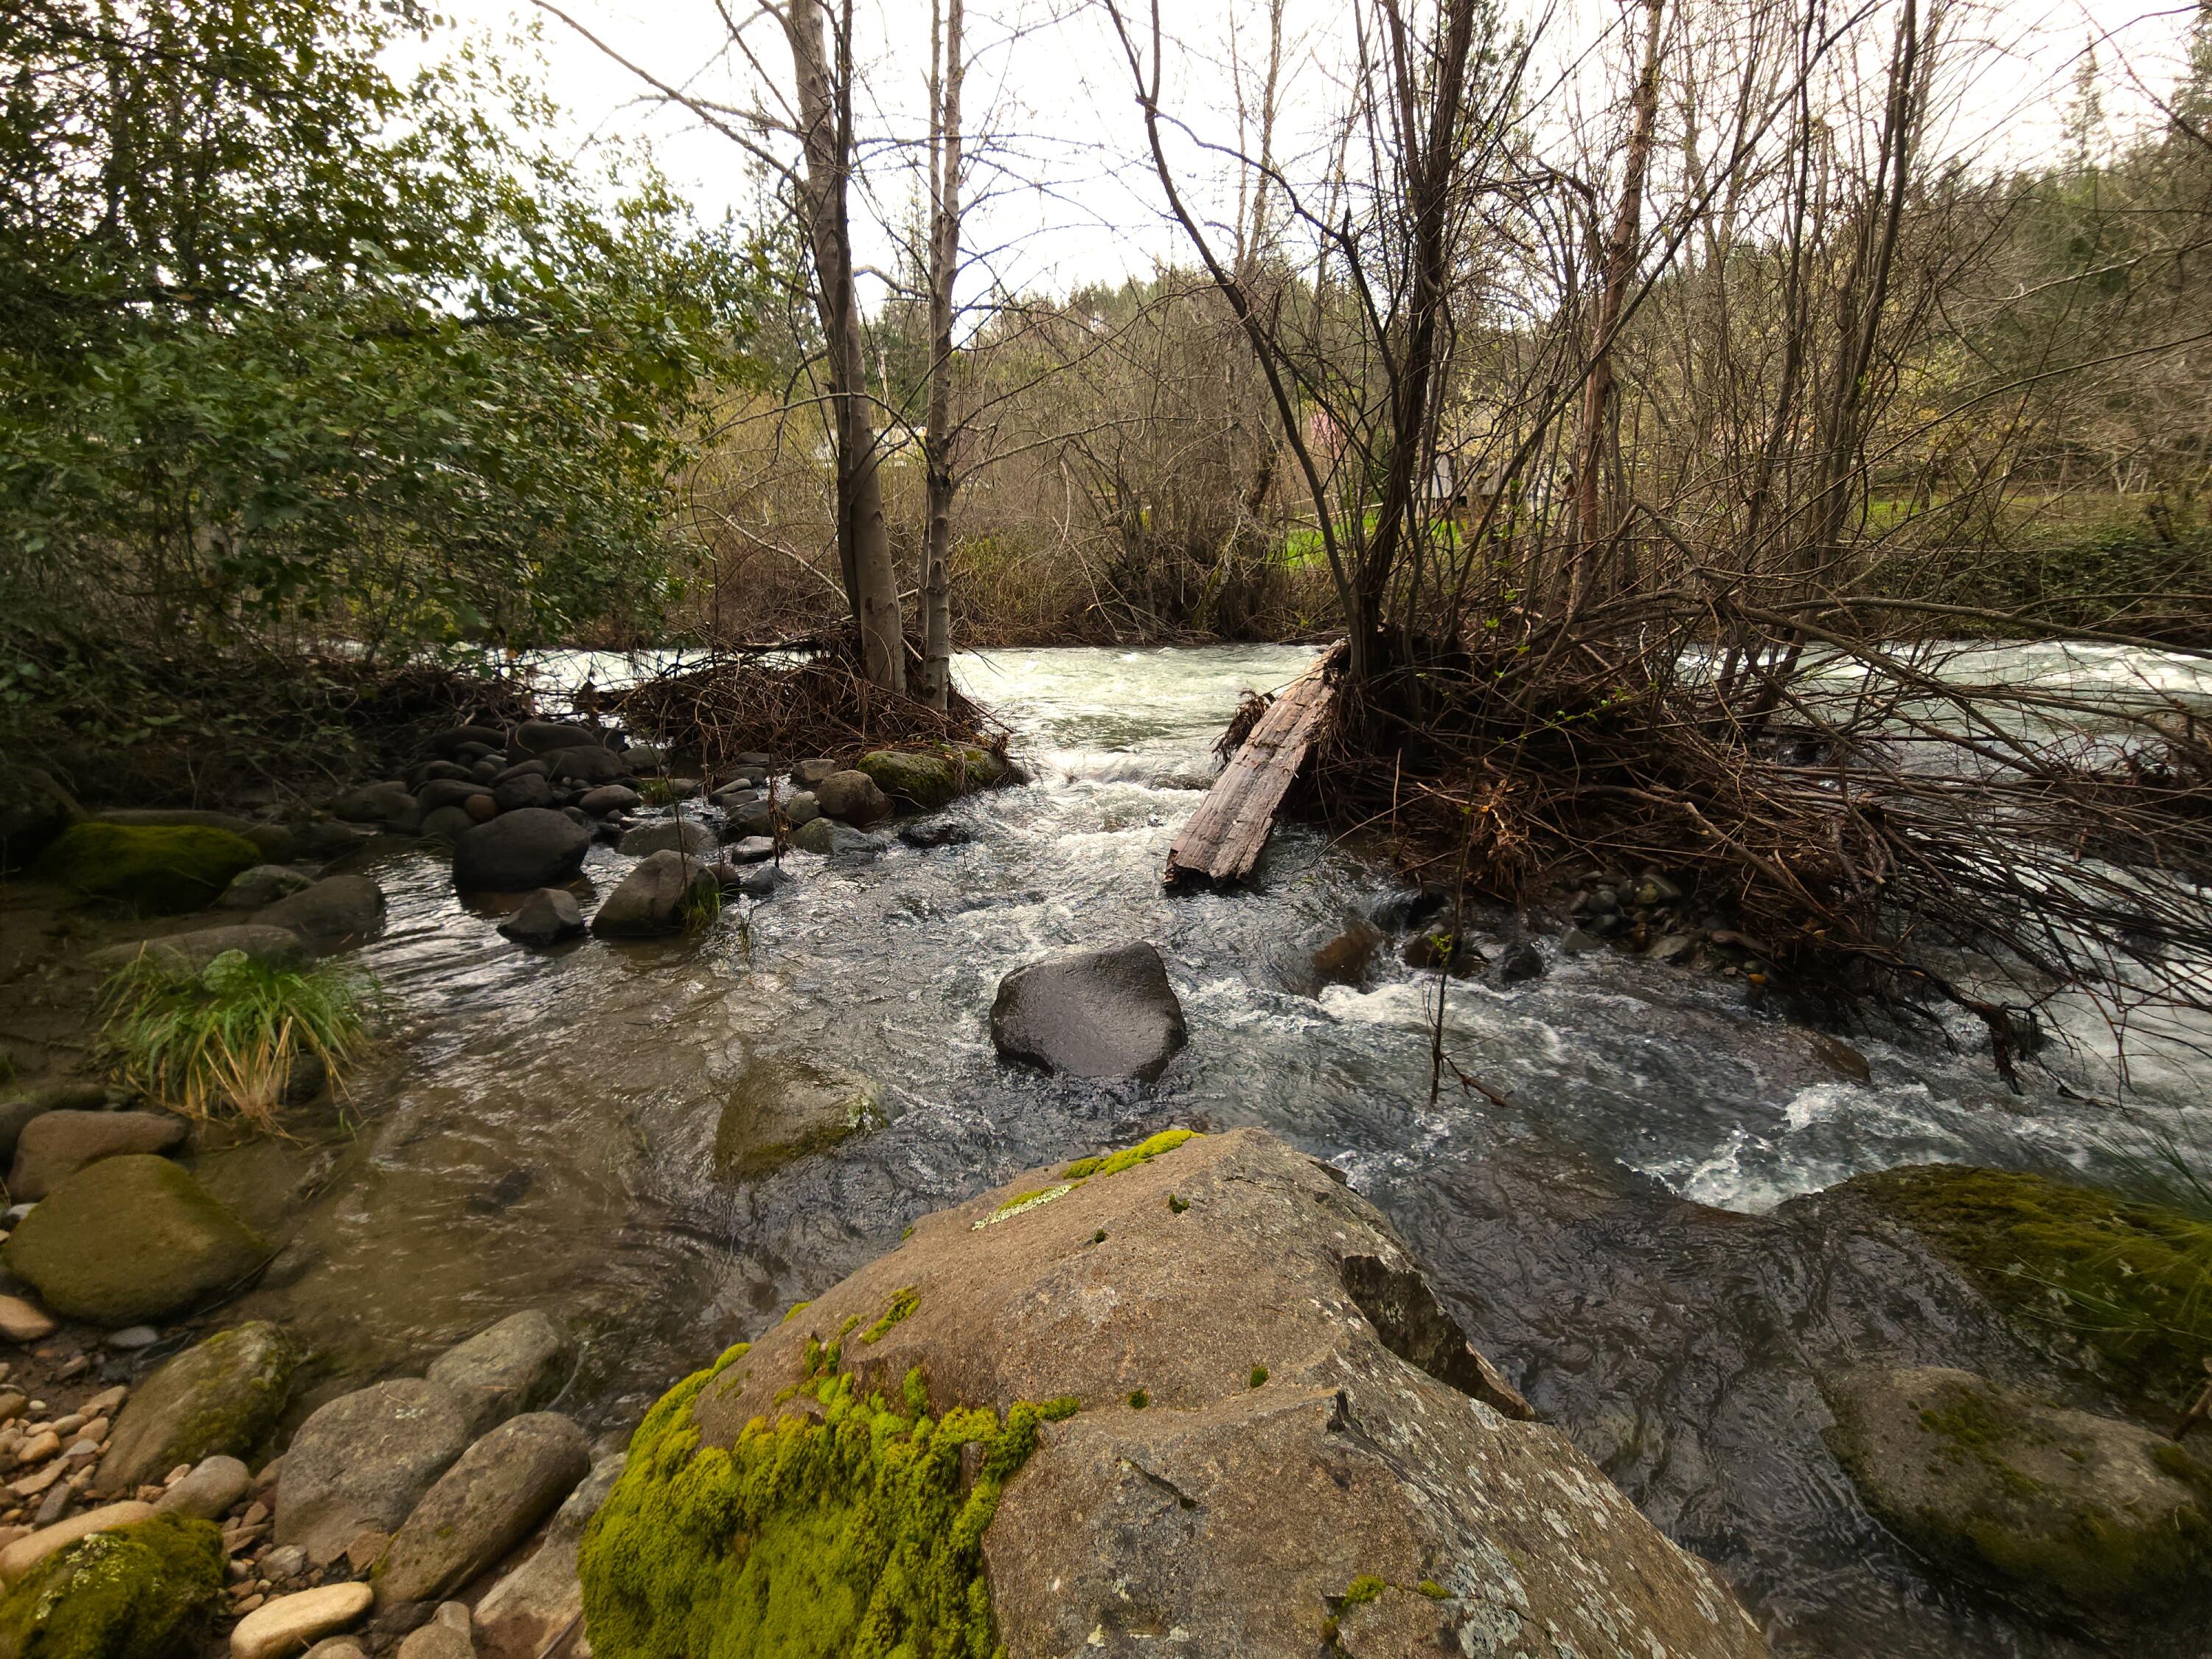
x=1128, y=1158
x=146, y=1591
x=795, y=1310
x=1177, y=1204
x=1098, y=1237
x=152, y=869
x=1971, y=1426
x=223, y=1395
x=1259, y=1376
x=903, y=1303
x=1139, y=1401
x=1365, y=1588
x=1433, y=1590
x=2131, y=1280
x=845, y=1534
x=1022, y=1202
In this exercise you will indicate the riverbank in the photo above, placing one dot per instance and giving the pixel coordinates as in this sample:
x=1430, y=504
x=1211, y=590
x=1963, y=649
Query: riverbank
x=538, y=1130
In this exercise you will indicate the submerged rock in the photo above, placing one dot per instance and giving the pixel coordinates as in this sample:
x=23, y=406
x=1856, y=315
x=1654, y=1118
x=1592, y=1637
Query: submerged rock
x=1345, y=959
x=546, y=917
x=151, y=869
x=1107, y=1013
x=223, y=1395
x=57, y=1145
x=1195, y=1387
x=2067, y=1513
x=519, y=851
x=147, y=1590
x=656, y=898
x=362, y=1462
x=786, y=1109
x=129, y=1239
x=936, y=833
x=515, y=1365
x=484, y=1505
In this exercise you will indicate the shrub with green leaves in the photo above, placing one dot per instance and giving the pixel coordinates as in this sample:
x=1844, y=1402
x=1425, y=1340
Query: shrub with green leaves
x=228, y=1040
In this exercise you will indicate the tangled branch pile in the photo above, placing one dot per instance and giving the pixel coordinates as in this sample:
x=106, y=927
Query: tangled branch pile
x=806, y=696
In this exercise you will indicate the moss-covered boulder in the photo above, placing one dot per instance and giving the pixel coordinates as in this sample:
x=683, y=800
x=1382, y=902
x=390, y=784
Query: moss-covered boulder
x=2074, y=1516
x=153, y=869
x=1198, y=1388
x=224, y=1395
x=146, y=1591
x=2118, y=1283
x=130, y=1239
x=926, y=780
x=782, y=1110
x=34, y=810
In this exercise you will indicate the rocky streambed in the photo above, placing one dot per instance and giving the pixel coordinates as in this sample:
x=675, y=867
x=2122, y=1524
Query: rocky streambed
x=644, y=1143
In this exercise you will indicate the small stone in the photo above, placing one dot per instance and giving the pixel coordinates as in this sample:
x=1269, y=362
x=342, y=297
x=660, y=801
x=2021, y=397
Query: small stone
x=1671, y=947
x=1576, y=943
x=43, y=1445
x=207, y=1490
x=445, y=1636
x=131, y=1338
x=1519, y=962
x=285, y=1561
x=55, y=1505
x=291, y=1622
x=749, y=849
x=24, y=1322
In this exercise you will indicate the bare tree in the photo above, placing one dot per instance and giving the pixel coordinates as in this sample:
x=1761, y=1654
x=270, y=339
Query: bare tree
x=947, y=65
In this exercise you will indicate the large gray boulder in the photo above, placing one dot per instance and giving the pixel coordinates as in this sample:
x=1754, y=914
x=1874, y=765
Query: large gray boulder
x=336, y=910
x=674, y=835
x=785, y=1109
x=482, y=1506
x=519, y=851
x=220, y=1397
x=516, y=1366
x=853, y=798
x=362, y=1462
x=2072, y=1515
x=1107, y=1013
x=520, y=1616
x=1266, y=1436
x=655, y=898
x=57, y=1145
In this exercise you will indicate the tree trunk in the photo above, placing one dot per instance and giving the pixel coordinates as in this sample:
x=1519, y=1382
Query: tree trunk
x=864, y=547
x=947, y=65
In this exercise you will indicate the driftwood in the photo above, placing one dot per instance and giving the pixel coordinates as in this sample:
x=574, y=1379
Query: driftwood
x=1224, y=838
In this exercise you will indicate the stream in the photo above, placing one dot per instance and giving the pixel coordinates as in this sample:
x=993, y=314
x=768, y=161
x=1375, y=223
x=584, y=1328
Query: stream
x=540, y=1131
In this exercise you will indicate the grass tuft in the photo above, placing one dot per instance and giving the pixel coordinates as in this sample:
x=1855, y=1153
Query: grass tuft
x=224, y=1041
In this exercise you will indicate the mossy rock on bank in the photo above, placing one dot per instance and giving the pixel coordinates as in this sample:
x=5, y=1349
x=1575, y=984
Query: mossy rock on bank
x=129, y=1240
x=223, y=1395
x=2079, y=1518
x=1143, y=1406
x=2130, y=1282
x=926, y=780
x=145, y=1591
x=148, y=868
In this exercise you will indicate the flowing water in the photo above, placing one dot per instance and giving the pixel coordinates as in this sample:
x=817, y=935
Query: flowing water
x=540, y=1131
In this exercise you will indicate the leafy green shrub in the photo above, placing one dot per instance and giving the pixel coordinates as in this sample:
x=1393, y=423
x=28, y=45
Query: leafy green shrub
x=228, y=1039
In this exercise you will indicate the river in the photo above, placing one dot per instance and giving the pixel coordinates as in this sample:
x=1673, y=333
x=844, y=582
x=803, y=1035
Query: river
x=538, y=1129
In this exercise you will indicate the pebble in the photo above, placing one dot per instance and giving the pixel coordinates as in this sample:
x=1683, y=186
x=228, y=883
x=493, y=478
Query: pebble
x=55, y=1505
x=24, y=1322
x=43, y=1443
x=104, y=1405
x=286, y=1561
x=131, y=1338
x=13, y=1405
x=289, y=1623
x=206, y=1490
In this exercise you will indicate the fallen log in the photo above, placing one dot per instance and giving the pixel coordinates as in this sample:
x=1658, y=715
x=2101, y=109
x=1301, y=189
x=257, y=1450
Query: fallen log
x=1223, y=839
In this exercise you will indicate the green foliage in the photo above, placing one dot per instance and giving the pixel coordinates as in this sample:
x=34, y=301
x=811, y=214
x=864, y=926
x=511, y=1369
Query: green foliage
x=1128, y=1158
x=1364, y=1588
x=2131, y=1280
x=1259, y=1376
x=845, y=1534
x=149, y=869
x=903, y=1303
x=703, y=903
x=226, y=1039
x=285, y=340
x=145, y=1591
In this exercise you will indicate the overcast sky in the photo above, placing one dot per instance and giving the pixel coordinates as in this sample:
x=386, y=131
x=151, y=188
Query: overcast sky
x=1074, y=200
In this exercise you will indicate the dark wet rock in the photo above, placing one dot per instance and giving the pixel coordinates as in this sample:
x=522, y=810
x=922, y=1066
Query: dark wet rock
x=504, y=1193
x=831, y=839
x=336, y=910
x=520, y=1617
x=447, y=792
x=1432, y=950
x=762, y=881
x=148, y=1589
x=655, y=898
x=527, y=768
x=797, y=808
x=1254, y=1449
x=482, y=1507
x=610, y=798
x=222, y=1397
x=481, y=807
x=57, y=1145
x=447, y=823
x=546, y=917
x=589, y=766
x=646, y=756
x=190, y=953
x=805, y=774
x=742, y=791
x=264, y=885
x=375, y=803
x=1655, y=890
x=537, y=737
x=1671, y=948
x=150, y=869
x=1400, y=911
x=582, y=819
x=1578, y=942
x=34, y=810
x=853, y=798
x=1107, y=1013
x=1839, y=1057
x=786, y=1109
x=487, y=770
x=519, y=852
x=129, y=1239
x=1345, y=959
x=757, y=759
x=529, y=789
x=329, y=837
x=674, y=835
x=2070, y=1515
x=1520, y=962
x=363, y=1461
x=935, y=833
x=452, y=741
x=516, y=1366
x=750, y=850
